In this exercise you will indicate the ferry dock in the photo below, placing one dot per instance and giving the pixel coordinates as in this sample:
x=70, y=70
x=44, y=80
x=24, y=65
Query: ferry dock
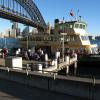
x=50, y=66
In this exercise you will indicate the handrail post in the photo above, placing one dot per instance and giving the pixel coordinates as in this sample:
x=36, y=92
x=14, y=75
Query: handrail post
x=8, y=69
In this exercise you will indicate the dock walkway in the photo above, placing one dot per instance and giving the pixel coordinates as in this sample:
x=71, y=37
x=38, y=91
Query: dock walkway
x=59, y=66
x=52, y=68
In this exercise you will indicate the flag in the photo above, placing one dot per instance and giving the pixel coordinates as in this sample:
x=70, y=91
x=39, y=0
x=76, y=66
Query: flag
x=71, y=13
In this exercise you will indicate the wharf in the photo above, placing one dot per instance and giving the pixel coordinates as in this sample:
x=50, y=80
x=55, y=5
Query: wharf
x=66, y=64
x=48, y=69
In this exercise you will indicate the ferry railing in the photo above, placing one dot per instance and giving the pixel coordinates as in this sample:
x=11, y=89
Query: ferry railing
x=42, y=38
x=54, y=73
x=27, y=70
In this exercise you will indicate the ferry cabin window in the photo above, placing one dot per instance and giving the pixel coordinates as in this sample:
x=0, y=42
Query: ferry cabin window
x=76, y=25
x=67, y=25
x=81, y=26
x=71, y=26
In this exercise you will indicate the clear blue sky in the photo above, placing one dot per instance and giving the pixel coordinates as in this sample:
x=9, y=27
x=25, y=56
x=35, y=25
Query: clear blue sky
x=51, y=9
x=89, y=10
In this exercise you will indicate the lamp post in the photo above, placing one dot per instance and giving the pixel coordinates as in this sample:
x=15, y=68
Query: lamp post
x=5, y=45
x=63, y=46
x=27, y=41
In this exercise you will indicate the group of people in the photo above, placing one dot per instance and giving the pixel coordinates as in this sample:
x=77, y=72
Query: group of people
x=71, y=52
x=38, y=55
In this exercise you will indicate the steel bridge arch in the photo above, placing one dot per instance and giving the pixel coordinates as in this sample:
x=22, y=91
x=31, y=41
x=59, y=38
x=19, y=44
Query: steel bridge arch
x=34, y=13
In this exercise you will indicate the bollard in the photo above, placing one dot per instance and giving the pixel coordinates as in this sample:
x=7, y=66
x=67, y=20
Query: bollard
x=46, y=60
x=75, y=65
x=39, y=67
x=27, y=66
x=27, y=72
x=55, y=63
x=67, y=60
x=67, y=69
x=57, y=54
x=75, y=56
x=46, y=57
x=75, y=68
x=8, y=69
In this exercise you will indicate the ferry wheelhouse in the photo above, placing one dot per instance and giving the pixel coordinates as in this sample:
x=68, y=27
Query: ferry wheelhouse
x=77, y=36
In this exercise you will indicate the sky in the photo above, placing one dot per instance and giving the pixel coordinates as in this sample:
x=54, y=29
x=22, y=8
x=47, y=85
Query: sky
x=52, y=9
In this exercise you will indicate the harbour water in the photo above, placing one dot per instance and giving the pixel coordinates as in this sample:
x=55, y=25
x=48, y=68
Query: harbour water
x=86, y=69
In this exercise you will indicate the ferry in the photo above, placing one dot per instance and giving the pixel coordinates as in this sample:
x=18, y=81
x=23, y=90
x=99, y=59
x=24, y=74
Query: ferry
x=69, y=34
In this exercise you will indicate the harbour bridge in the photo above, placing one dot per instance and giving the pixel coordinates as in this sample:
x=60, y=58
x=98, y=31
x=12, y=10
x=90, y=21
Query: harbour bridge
x=22, y=11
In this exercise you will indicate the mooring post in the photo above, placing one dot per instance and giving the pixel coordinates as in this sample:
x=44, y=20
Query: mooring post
x=67, y=70
x=67, y=60
x=46, y=60
x=75, y=64
x=67, y=64
x=75, y=68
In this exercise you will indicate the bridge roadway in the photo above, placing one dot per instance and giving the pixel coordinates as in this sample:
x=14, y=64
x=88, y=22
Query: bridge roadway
x=15, y=91
x=8, y=15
